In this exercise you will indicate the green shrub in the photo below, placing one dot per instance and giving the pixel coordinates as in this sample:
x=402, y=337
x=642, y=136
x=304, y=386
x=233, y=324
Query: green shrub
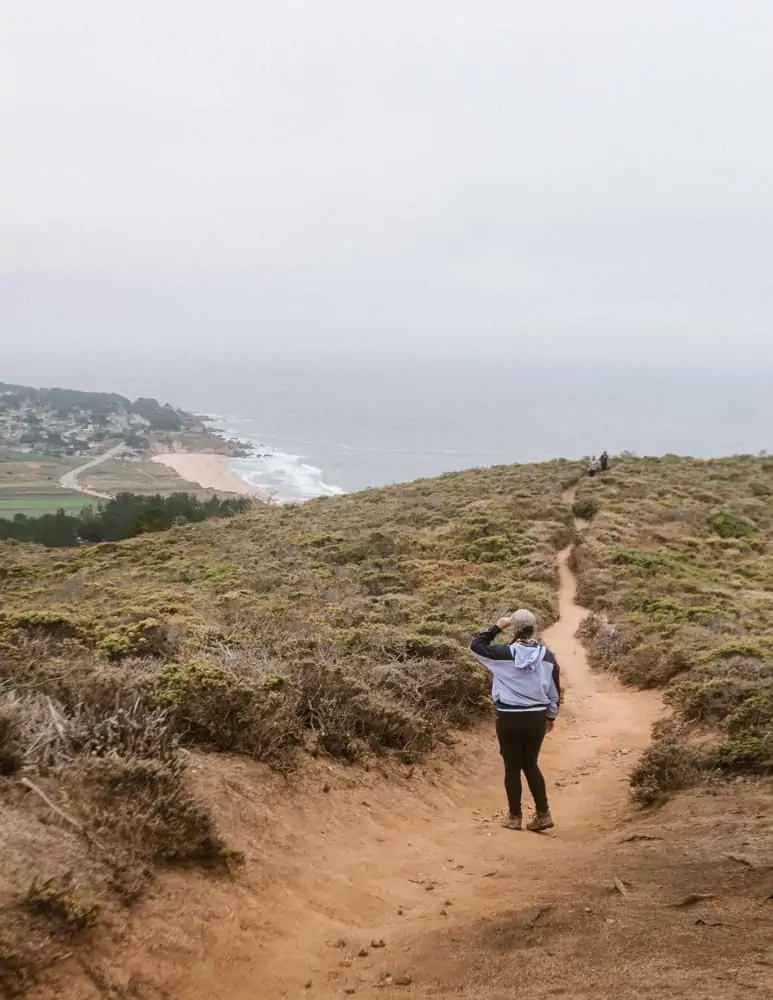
x=488, y=549
x=348, y=713
x=746, y=753
x=585, y=508
x=651, y=664
x=712, y=699
x=143, y=638
x=49, y=623
x=759, y=489
x=729, y=525
x=60, y=901
x=606, y=640
x=378, y=582
x=758, y=649
x=644, y=561
x=240, y=708
x=755, y=714
x=420, y=647
x=446, y=694
x=665, y=766
x=665, y=612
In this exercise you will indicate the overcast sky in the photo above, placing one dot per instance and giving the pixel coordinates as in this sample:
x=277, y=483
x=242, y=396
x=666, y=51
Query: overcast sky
x=589, y=177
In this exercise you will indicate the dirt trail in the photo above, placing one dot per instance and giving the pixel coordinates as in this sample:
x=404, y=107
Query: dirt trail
x=338, y=858
x=356, y=858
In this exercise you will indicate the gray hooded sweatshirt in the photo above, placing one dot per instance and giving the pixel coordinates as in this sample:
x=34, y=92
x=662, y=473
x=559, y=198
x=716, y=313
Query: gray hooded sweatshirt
x=526, y=675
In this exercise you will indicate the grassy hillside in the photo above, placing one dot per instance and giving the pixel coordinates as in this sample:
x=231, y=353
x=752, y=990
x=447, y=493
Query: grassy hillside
x=334, y=628
x=369, y=589
x=678, y=565
x=338, y=628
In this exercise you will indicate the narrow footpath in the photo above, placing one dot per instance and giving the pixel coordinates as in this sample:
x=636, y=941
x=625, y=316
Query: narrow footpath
x=348, y=859
x=374, y=883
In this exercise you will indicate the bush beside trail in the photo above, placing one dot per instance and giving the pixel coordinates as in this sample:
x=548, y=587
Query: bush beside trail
x=677, y=568
x=114, y=789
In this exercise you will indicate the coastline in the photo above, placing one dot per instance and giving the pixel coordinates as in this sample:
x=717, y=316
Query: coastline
x=285, y=476
x=210, y=471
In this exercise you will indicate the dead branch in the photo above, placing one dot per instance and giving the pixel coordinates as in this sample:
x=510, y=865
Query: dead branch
x=618, y=884
x=61, y=813
x=541, y=912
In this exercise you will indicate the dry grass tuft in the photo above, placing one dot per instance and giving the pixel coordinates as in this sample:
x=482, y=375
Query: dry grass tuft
x=60, y=901
x=147, y=807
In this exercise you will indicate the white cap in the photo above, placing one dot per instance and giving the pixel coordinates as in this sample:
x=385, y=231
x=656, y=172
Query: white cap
x=523, y=619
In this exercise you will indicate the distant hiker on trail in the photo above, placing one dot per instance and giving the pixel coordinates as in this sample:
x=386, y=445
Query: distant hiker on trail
x=604, y=461
x=593, y=466
x=527, y=694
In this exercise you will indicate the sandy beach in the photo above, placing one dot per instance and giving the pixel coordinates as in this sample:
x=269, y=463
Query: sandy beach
x=209, y=471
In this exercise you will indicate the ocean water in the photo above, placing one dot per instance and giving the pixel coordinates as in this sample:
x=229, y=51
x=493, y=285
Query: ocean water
x=323, y=425
x=329, y=428
x=289, y=477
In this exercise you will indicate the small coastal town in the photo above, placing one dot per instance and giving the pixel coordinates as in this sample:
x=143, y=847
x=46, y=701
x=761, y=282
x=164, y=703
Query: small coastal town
x=64, y=452
x=63, y=422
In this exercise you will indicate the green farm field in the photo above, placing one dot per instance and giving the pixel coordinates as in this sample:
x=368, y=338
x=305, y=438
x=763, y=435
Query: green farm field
x=35, y=503
x=29, y=484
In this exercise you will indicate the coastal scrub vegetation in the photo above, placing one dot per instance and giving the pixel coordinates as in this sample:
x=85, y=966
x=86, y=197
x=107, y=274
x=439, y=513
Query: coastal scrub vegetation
x=349, y=612
x=338, y=628
x=335, y=628
x=677, y=567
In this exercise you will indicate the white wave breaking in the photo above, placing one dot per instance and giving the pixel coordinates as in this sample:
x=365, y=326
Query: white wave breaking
x=289, y=478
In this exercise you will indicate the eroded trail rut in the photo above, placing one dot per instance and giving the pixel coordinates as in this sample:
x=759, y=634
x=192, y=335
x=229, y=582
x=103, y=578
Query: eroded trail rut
x=343, y=861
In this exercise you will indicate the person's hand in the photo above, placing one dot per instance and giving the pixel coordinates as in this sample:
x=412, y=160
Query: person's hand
x=550, y=725
x=504, y=623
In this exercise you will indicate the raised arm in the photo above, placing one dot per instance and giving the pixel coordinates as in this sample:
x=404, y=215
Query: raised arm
x=483, y=645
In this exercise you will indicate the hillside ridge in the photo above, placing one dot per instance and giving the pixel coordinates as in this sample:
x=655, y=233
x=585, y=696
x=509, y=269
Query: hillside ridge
x=220, y=636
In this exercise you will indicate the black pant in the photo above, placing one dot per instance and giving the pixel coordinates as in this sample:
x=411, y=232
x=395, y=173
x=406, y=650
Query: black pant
x=520, y=736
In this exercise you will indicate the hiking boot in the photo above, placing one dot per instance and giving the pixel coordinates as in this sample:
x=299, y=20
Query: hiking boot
x=541, y=821
x=512, y=823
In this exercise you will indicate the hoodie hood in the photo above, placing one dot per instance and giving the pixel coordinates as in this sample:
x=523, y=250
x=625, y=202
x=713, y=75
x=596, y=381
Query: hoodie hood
x=527, y=657
x=524, y=674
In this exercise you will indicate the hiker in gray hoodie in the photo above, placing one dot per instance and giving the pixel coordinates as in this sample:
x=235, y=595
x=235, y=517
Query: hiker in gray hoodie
x=527, y=692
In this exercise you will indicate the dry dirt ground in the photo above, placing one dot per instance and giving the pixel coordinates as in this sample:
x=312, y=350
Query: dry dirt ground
x=340, y=860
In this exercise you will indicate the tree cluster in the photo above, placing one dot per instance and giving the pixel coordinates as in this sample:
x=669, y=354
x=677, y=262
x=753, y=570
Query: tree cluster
x=124, y=516
x=64, y=401
x=100, y=405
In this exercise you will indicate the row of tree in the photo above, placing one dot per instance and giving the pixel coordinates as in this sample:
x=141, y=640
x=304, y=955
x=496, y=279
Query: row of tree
x=124, y=516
